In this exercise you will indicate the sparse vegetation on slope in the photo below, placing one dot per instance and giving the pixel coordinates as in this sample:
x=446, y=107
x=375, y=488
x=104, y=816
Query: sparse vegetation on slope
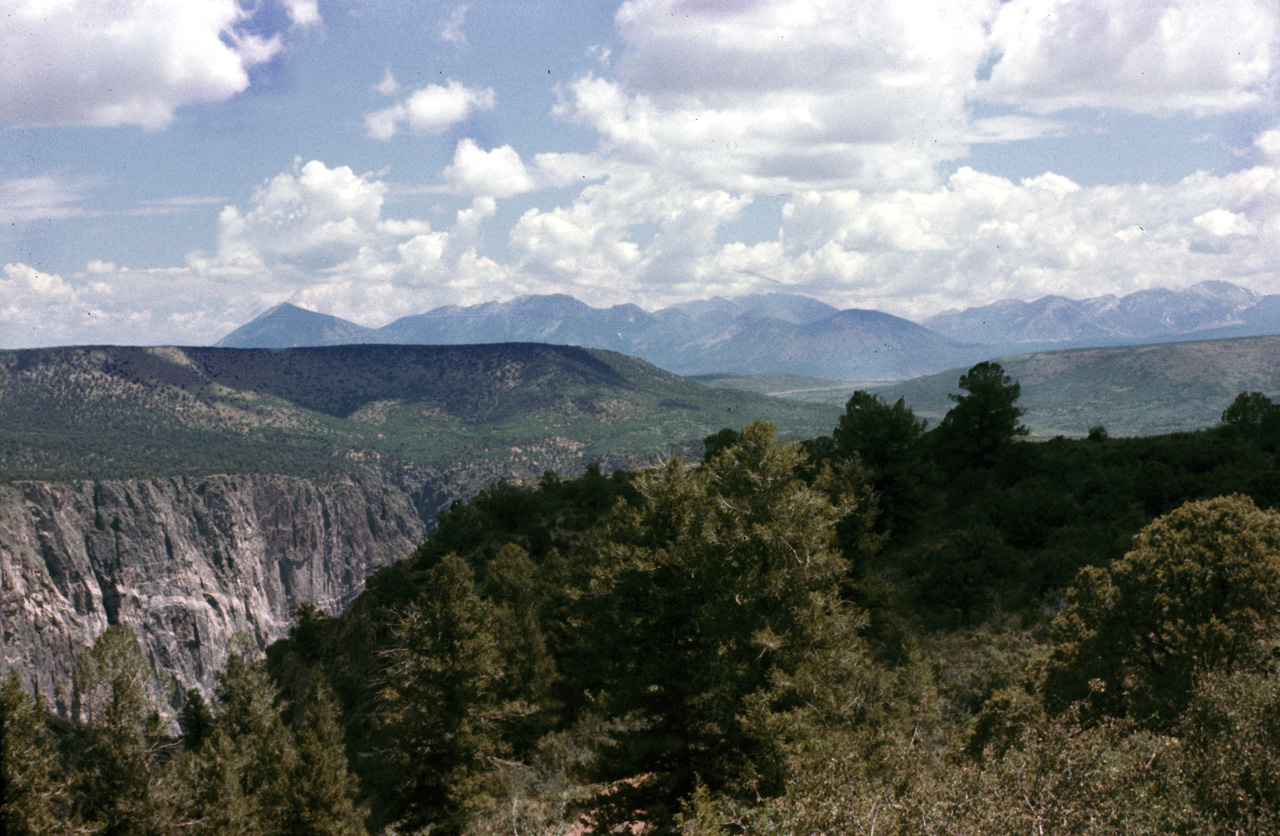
x=126, y=412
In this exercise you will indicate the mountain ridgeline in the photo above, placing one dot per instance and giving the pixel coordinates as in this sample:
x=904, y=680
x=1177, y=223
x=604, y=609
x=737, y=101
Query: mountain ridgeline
x=516, y=409
x=797, y=335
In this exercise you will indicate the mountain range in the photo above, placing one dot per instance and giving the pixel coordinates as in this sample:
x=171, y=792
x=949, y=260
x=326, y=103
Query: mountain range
x=792, y=334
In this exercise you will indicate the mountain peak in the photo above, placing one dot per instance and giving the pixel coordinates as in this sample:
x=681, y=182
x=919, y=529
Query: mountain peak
x=289, y=326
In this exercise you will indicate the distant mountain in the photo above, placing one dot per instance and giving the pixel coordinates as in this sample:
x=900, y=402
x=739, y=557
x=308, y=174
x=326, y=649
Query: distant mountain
x=1213, y=308
x=764, y=333
x=782, y=333
x=288, y=326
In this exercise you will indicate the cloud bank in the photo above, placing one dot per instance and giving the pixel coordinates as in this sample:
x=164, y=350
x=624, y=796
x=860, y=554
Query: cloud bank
x=83, y=62
x=807, y=146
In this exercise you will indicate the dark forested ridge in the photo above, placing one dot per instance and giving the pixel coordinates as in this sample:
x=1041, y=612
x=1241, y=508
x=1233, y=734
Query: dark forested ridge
x=125, y=412
x=888, y=628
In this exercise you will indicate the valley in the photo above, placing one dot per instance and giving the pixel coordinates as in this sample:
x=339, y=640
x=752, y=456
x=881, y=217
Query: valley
x=197, y=493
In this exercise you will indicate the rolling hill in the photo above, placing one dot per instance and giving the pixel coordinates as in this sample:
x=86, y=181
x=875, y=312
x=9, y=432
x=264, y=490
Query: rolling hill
x=523, y=408
x=1130, y=390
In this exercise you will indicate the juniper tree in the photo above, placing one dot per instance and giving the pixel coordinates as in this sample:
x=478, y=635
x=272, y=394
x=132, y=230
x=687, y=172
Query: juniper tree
x=1195, y=595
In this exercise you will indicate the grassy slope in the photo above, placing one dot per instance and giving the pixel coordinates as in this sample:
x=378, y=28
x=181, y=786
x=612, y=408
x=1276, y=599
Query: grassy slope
x=1131, y=390
x=123, y=411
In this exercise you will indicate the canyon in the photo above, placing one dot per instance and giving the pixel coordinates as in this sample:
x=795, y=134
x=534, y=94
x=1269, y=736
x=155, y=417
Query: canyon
x=188, y=562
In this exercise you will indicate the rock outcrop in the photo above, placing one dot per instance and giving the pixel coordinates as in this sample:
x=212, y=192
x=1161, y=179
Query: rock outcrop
x=187, y=562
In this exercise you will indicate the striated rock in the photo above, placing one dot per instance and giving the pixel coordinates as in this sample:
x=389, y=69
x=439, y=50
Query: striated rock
x=188, y=562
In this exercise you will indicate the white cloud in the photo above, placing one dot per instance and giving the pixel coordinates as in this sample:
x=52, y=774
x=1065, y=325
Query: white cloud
x=432, y=109
x=972, y=240
x=314, y=217
x=450, y=29
x=1155, y=56
x=303, y=12
x=499, y=173
x=1221, y=222
x=1268, y=144
x=637, y=236
x=122, y=63
x=788, y=95
x=38, y=308
x=46, y=197
x=981, y=238
x=388, y=86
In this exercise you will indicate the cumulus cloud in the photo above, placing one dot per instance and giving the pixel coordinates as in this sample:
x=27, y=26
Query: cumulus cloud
x=124, y=63
x=313, y=217
x=1268, y=144
x=636, y=236
x=498, y=173
x=1157, y=56
x=318, y=236
x=981, y=238
x=973, y=239
x=38, y=308
x=774, y=95
x=432, y=110
x=303, y=12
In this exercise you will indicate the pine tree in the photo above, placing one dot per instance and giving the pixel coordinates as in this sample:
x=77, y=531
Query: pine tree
x=319, y=798
x=117, y=783
x=984, y=421
x=32, y=794
x=716, y=602
x=441, y=715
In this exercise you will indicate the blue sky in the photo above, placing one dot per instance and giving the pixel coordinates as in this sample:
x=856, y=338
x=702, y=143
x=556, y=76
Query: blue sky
x=171, y=168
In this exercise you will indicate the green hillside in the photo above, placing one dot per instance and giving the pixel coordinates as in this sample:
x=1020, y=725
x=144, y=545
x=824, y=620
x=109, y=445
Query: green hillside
x=1130, y=390
x=126, y=411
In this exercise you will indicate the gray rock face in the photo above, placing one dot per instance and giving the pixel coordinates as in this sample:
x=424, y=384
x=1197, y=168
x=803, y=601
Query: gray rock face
x=187, y=562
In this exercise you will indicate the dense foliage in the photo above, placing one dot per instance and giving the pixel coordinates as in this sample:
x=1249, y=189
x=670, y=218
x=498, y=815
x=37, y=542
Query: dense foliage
x=888, y=630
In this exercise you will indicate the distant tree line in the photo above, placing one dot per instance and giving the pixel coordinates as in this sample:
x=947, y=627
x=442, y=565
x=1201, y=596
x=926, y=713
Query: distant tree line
x=890, y=629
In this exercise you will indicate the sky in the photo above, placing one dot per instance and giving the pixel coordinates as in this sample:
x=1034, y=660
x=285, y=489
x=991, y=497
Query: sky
x=170, y=169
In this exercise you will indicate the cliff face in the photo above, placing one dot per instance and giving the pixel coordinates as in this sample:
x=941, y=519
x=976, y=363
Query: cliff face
x=187, y=562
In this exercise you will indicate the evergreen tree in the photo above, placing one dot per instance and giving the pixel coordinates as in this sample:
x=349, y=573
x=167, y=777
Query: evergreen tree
x=32, y=794
x=195, y=720
x=1244, y=417
x=1195, y=595
x=888, y=441
x=319, y=798
x=716, y=597
x=441, y=716
x=984, y=420
x=117, y=784
x=969, y=568
x=240, y=778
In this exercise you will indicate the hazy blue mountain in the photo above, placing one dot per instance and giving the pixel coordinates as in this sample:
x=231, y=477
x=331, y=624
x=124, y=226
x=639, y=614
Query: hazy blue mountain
x=779, y=333
x=288, y=326
x=848, y=345
x=782, y=333
x=1158, y=315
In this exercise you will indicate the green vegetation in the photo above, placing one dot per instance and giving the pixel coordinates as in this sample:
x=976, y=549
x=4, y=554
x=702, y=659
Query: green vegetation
x=1130, y=390
x=118, y=412
x=889, y=629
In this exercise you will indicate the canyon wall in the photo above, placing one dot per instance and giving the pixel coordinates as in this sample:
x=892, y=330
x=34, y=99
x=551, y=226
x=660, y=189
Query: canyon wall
x=187, y=562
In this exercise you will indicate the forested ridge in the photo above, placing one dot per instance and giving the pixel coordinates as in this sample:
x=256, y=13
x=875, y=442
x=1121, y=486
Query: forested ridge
x=889, y=629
